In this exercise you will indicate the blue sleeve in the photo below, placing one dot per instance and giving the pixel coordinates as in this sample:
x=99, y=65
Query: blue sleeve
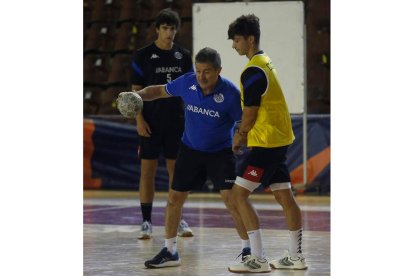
x=176, y=87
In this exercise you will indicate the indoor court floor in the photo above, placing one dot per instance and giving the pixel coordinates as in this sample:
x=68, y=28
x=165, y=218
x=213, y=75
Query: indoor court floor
x=112, y=219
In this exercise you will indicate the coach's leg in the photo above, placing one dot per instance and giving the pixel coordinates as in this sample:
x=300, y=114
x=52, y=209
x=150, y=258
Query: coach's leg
x=175, y=204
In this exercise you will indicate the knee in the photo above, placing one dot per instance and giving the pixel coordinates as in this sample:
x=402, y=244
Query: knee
x=147, y=175
x=175, y=199
x=285, y=199
x=230, y=201
x=231, y=204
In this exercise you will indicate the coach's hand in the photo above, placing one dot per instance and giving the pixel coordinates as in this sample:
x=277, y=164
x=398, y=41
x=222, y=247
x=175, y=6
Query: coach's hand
x=142, y=126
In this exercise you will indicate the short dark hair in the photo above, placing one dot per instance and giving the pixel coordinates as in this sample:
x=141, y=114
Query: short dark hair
x=208, y=55
x=169, y=17
x=245, y=25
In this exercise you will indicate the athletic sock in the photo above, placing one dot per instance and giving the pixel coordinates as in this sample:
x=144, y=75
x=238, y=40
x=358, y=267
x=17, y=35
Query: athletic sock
x=255, y=238
x=245, y=243
x=295, y=243
x=171, y=245
x=146, y=209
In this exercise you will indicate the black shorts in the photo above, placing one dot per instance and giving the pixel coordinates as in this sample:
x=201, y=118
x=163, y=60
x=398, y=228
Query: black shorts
x=167, y=142
x=192, y=168
x=265, y=165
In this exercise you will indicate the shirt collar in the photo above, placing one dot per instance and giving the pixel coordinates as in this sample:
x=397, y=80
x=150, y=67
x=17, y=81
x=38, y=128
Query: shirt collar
x=217, y=89
x=261, y=52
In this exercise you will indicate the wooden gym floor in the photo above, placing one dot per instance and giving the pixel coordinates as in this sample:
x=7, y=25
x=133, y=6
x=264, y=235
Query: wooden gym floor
x=112, y=220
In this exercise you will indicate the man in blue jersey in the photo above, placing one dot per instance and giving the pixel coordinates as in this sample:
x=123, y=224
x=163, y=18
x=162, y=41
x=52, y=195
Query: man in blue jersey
x=212, y=107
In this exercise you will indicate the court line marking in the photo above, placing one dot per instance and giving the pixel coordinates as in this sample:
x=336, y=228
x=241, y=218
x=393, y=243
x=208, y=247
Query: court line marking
x=119, y=203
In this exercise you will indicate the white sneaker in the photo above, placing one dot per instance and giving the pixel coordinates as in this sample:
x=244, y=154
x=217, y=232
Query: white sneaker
x=286, y=262
x=184, y=230
x=251, y=264
x=146, y=231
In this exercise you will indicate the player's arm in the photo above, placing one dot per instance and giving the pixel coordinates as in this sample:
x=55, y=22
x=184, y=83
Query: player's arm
x=153, y=92
x=254, y=83
x=148, y=93
x=143, y=127
x=249, y=116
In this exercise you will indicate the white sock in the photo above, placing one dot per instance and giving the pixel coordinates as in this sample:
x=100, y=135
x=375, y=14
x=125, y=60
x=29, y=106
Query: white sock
x=295, y=243
x=245, y=243
x=255, y=238
x=171, y=245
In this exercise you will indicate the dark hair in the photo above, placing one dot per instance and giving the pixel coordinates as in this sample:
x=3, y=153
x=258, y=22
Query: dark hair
x=245, y=25
x=208, y=55
x=169, y=17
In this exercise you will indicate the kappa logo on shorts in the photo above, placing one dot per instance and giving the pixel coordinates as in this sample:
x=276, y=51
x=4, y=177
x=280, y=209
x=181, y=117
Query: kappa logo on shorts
x=253, y=173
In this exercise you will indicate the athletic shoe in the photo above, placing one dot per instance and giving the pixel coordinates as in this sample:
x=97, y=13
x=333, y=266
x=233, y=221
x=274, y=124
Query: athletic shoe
x=163, y=259
x=287, y=262
x=184, y=230
x=251, y=264
x=146, y=231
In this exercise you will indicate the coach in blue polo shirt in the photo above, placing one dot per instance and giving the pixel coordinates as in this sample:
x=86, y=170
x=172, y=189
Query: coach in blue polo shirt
x=212, y=107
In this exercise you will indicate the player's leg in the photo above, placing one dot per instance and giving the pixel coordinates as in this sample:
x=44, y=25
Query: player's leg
x=292, y=258
x=148, y=153
x=290, y=207
x=221, y=170
x=171, y=142
x=256, y=261
x=170, y=169
x=249, y=217
x=146, y=195
x=238, y=222
x=249, y=176
x=282, y=192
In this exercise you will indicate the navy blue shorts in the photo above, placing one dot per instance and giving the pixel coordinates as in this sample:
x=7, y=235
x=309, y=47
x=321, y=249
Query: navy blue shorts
x=265, y=165
x=192, y=168
x=166, y=142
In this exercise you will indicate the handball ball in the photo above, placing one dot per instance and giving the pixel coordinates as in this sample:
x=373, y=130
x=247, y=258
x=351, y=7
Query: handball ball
x=129, y=104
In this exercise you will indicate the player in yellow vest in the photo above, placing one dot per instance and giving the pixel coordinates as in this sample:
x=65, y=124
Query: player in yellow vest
x=266, y=130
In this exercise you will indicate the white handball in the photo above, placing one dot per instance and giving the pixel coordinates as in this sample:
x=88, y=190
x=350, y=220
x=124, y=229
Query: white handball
x=129, y=104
